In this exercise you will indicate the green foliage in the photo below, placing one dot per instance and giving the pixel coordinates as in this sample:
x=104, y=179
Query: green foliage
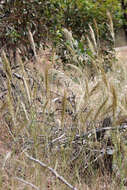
x=46, y=18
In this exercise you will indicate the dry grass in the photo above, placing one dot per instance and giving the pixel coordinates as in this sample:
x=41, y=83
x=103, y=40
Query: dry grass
x=49, y=115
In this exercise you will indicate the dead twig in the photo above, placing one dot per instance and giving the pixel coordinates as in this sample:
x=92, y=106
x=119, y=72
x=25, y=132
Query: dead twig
x=52, y=171
x=27, y=183
x=100, y=130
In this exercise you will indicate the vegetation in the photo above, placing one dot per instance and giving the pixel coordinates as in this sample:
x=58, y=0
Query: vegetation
x=46, y=18
x=62, y=96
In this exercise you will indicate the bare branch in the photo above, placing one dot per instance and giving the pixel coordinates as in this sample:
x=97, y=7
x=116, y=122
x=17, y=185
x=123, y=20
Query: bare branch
x=100, y=130
x=27, y=183
x=52, y=171
x=58, y=139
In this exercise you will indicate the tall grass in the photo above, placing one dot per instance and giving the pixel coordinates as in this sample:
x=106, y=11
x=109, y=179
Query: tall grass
x=54, y=119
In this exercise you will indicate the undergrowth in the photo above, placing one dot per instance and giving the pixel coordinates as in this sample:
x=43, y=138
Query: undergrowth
x=63, y=128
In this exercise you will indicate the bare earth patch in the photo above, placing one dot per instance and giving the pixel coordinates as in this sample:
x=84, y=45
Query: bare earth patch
x=121, y=53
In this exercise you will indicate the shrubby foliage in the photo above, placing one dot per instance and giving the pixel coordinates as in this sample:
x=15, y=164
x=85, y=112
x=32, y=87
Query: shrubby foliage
x=46, y=17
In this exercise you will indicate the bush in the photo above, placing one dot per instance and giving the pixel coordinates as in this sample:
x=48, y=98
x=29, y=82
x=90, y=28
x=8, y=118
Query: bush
x=45, y=18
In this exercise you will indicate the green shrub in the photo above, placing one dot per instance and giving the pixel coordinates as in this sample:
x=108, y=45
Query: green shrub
x=45, y=18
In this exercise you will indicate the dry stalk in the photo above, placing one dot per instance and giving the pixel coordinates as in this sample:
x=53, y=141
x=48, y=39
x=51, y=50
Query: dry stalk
x=111, y=25
x=8, y=71
x=93, y=36
x=30, y=36
x=24, y=78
